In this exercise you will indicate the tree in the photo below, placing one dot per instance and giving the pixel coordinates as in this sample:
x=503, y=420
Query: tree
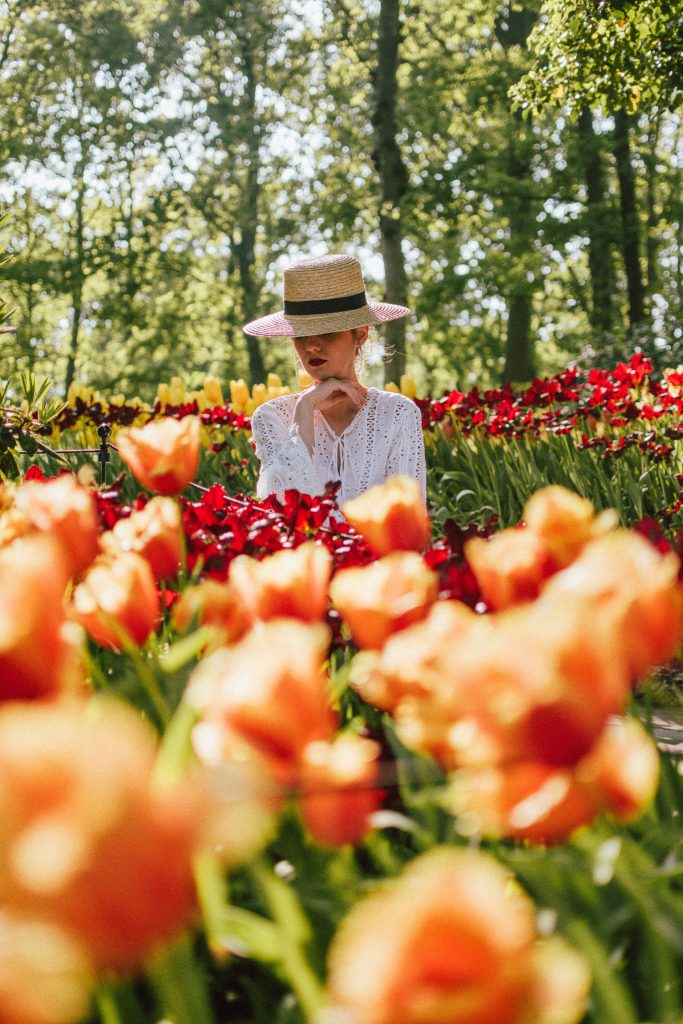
x=622, y=54
x=393, y=177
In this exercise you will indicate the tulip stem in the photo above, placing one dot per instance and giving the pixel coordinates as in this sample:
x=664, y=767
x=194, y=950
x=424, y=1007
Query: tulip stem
x=294, y=931
x=150, y=683
x=107, y=1006
x=181, y=985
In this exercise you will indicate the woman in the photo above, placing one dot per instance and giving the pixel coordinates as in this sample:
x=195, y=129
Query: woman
x=338, y=429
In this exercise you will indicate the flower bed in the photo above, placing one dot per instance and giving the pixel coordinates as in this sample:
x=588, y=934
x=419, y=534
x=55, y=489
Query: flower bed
x=269, y=764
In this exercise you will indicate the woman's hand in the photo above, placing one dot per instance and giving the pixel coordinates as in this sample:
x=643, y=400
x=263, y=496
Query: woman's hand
x=326, y=396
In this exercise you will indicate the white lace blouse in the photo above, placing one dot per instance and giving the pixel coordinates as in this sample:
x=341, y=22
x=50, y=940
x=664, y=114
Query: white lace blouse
x=384, y=439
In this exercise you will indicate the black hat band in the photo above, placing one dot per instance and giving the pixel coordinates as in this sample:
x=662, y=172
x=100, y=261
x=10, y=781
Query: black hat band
x=317, y=306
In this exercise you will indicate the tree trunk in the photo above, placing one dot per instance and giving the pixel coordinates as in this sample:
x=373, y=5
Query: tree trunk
x=245, y=239
x=519, y=348
x=512, y=29
x=393, y=181
x=599, y=227
x=650, y=160
x=629, y=220
x=77, y=275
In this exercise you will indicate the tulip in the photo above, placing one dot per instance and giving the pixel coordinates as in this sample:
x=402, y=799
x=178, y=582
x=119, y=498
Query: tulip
x=621, y=576
x=213, y=604
x=117, y=602
x=339, y=790
x=621, y=772
x=408, y=385
x=45, y=977
x=89, y=841
x=384, y=597
x=267, y=696
x=391, y=516
x=541, y=803
x=451, y=942
x=287, y=584
x=154, y=532
x=163, y=455
x=510, y=566
x=65, y=510
x=413, y=662
x=40, y=653
x=239, y=394
x=565, y=522
x=212, y=390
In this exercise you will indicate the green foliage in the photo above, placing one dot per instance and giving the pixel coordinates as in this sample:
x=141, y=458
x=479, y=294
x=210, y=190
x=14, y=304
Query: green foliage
x=22, y=418
x=617, y=53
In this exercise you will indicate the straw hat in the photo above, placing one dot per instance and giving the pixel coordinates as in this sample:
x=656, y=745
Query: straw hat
x=322, y=295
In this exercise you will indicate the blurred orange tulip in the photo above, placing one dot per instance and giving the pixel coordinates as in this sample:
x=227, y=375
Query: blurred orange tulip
x=414, y=662
x=266, y=696
x=384, y=597
x=510, y=566
x=117, y=602
x=622, y=577
x=622, y=770
x=450, y=942
x=88, y=840
x=541, y=803
x=287, y=584
x=40, y=651
x=392, y=516
x=65, y=510
x=565, y=522
x=45, y=977
x=339, y=789
x=211, y=603
x=163, y=455
x=154, y=532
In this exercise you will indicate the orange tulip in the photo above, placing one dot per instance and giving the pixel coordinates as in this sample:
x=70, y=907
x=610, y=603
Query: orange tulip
x=510, y=567
x=622, y=770
x=565, y=522
x=450, y=942
x=211, y=603
x=287, y=584
x=266, y=696
x=541, y=803
x=414, y=662
x=529, y=800
x=154, y=532
x=163, y=455
x=117, y=602
x=339, y=789
x=391, y=516
x=384, y=597
x=65, y=510
x=89, y=841
x=624, y=578
x=40, y=654
x=45, y=977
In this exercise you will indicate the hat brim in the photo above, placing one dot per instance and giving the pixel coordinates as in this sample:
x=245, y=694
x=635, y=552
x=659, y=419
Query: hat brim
x=279, y=325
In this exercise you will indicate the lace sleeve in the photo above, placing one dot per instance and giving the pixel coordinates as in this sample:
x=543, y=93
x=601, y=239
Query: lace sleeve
x=407, y=451
x=285, y=459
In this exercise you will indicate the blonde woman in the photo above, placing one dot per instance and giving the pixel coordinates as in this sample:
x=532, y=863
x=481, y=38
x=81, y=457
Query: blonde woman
x=338, y=429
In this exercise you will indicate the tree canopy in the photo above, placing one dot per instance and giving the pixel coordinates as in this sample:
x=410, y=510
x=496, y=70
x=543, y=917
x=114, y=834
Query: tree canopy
x=161, y=163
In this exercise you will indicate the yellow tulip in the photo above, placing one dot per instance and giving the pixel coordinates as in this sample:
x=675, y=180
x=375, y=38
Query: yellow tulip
x=259, y=394
x=273, y=381
x=239, y=394
x=408, y=385
x=212, y=390
x=392, y=387
x=177, y=391
x=304, y=380
x=163, y=395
